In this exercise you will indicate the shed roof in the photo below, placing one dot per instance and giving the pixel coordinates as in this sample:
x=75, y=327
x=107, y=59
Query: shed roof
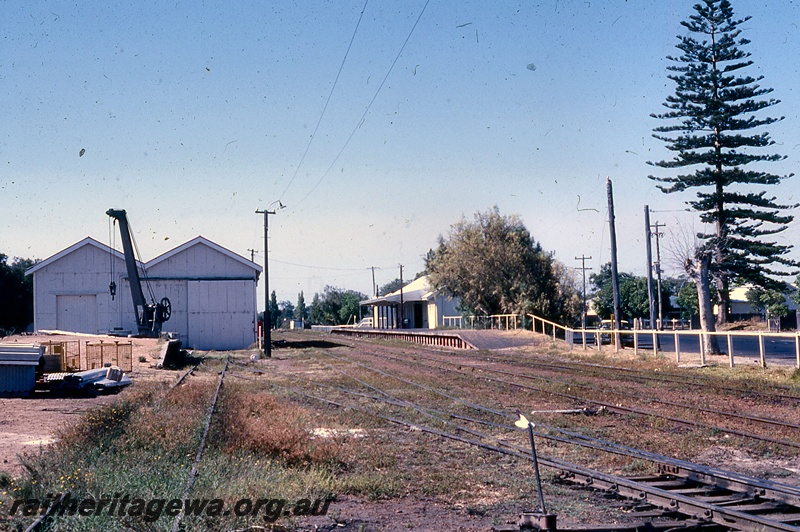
x=88, y=241
x=203, y=240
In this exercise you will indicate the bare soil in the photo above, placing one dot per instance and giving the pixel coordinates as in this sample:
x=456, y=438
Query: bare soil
x=28, y=424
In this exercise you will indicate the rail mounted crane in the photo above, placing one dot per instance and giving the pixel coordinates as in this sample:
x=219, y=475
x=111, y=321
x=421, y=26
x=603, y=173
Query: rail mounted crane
x=149, y=316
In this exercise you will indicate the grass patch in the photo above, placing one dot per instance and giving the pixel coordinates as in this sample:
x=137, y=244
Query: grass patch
x=143, y=445
x=260, y=423
x=132, y=446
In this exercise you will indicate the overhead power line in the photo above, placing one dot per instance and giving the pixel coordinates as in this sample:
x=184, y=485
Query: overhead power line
x=369, y=105
x=330, y=94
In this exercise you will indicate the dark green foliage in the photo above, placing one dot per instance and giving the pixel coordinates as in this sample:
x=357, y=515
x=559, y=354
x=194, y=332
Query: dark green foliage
x=495, y=267
x=715, y=133
x=300, y=310
x=335, y=306
x=771, y=302
x=286, y=311
x=16, y=295
x=633, y=298
x=392, y=286
x=688, y=302
x=274, y=311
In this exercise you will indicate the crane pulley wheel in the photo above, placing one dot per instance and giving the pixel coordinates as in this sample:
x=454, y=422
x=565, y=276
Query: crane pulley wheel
x=166, y=309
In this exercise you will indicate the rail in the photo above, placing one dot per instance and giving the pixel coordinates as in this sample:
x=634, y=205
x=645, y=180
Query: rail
x=680, y=487
x=176, y=526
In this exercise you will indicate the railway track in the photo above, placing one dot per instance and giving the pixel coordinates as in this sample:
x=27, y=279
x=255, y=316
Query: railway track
x=43, y=520
x=176, y=526
x=701, y=494
x=455, y=363
x=661, y=377
x=618, y=407
x=374, y=381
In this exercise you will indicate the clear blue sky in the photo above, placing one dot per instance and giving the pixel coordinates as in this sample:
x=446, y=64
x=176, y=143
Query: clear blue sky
x=194, y=115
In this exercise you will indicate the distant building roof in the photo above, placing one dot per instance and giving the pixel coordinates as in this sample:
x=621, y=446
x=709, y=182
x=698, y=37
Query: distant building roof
x=417, y=290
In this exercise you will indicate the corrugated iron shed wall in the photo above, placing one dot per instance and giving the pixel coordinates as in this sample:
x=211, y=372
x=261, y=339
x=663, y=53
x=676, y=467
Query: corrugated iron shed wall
x=18, y=369
x=212, y=291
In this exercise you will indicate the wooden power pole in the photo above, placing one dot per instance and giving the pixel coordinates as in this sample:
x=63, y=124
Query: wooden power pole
x=614, y=271
x=648, y=246
x=658, y=234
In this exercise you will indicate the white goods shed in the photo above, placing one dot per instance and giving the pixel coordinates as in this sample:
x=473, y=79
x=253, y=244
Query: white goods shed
x=212, y=291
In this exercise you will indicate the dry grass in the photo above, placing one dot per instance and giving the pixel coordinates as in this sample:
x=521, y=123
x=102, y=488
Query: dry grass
x=257, y=422
x=268, y=442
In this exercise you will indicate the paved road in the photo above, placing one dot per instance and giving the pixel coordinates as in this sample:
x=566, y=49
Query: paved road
x=745, y=348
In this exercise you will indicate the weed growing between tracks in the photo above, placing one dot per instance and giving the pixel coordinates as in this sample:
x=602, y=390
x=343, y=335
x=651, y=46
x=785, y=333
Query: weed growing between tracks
x=131, y=446
x=143, y=445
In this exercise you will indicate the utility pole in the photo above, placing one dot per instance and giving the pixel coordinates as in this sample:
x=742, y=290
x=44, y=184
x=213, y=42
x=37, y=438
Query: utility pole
x=614, y=270
x=252, y=254
x=648, y=236
x=658, y=234
x=583, y=269
x=267, y=315
x=374, y=286
x=402, y=323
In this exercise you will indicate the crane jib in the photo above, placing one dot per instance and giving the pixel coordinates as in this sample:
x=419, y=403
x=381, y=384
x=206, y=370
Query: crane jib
x=149, y=316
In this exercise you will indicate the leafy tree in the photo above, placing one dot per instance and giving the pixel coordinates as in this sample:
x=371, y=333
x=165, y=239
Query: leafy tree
x=274, y=311
x=350, y=306
x=718, y=133
x=603, y=297
x=771, y=302
x=286, y=311
x=16, y=294
x=392, y=286
x=315, y=313
x=335, y=306
x=634, y=301
x=687, y=301
x=495, y=267
x=300, y=310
